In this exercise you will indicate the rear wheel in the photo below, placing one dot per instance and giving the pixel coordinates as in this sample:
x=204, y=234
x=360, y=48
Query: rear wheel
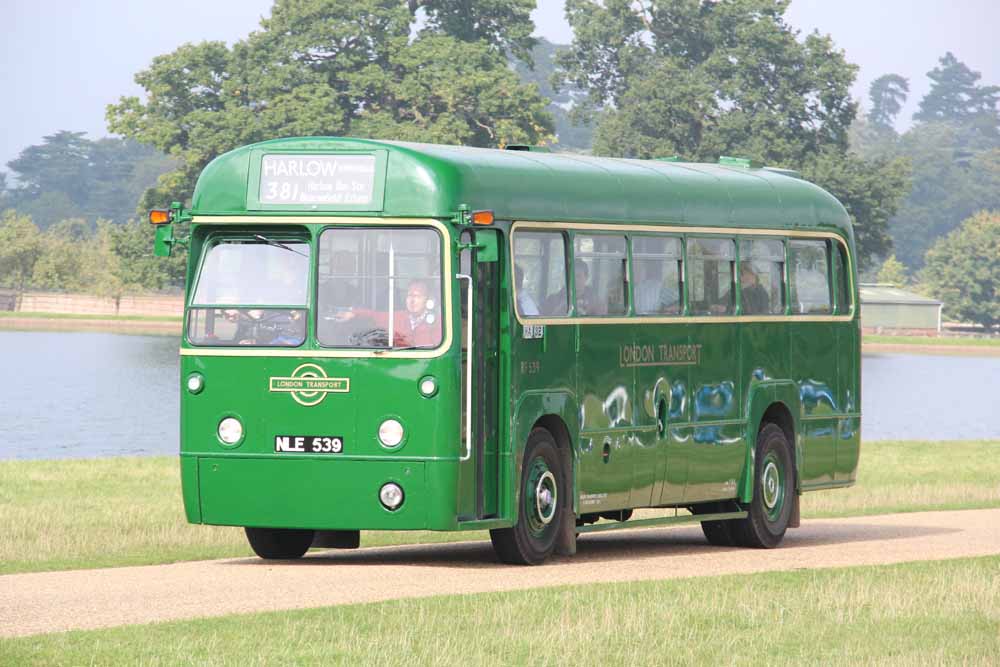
x=774, y=486
x=279, y=543
x=531, y=540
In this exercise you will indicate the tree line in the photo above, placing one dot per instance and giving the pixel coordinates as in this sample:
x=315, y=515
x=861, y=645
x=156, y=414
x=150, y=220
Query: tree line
x=692, y=78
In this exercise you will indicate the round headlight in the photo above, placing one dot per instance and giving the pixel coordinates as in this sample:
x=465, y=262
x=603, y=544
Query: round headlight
x=391, y=496
x=230, y=430
x=195, y=383
x=390, y=433
x=428, y=386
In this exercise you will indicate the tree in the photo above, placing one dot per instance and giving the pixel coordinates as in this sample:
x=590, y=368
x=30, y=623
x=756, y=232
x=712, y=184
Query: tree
x=333, y=67
x=963, y=270
x=571, y=135
x=701, y=79
x=887, y=94
x=69, y=176
x=20, y=248
x=955, y=95
x=892, y=272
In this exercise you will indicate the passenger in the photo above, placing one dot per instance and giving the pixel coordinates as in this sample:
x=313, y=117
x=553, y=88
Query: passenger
x=416, y=326
x=756, y=300
x=525, y=303
x=555, y=304
x=651, y=297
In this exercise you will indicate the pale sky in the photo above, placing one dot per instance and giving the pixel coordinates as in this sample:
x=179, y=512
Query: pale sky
x=63, y=61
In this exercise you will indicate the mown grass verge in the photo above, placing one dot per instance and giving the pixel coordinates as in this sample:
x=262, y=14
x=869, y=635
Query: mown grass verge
x=84, y=316
x=944, y=612
x=85, y=513
x=935, y=341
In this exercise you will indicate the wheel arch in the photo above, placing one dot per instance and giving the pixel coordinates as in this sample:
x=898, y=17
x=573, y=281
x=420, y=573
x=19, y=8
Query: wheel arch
x=556, y=412
x=775, y=403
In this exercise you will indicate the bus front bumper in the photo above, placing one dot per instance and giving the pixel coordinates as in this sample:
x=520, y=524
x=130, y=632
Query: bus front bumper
x=340, y=494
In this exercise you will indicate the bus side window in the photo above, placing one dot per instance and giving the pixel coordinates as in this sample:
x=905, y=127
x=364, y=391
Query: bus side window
x=762, y=276
x=843, y=282
x=599, y=266
x=710, y=276
x=540, y=274
x=659, y=266
x=809, y=277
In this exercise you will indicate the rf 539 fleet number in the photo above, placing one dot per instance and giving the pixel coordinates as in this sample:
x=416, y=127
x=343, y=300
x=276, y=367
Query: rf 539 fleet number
x=308, y=444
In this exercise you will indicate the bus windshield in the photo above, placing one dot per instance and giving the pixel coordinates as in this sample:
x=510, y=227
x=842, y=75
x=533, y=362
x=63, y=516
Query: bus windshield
x=263, y=284
x=379, y=288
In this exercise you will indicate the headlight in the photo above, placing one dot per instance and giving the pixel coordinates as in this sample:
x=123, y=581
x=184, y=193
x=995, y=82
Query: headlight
x=390, y=433
x=428, y=386
x=195, y=383
x=391, y=496
x=230, y=430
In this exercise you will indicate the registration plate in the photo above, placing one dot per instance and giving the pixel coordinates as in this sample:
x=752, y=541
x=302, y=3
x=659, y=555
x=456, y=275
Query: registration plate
x=308, y=444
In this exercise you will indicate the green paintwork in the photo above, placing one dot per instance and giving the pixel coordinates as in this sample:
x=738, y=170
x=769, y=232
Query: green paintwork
x=571, y=377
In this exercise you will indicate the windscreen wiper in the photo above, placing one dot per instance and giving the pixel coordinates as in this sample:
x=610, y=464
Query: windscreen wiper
x=278, y=244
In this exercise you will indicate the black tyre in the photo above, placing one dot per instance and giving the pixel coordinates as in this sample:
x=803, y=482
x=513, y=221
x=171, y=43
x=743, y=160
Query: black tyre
x=773, y=490
x=543, y=490
x=279, y=543
x=718, y=533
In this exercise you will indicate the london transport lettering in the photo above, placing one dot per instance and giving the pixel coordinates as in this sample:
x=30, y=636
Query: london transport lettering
x=662, y=354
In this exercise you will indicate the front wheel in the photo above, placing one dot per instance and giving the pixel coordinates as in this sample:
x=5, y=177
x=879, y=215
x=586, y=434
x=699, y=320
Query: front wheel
x=774, y=485
x=279, y=543
x=543, y=491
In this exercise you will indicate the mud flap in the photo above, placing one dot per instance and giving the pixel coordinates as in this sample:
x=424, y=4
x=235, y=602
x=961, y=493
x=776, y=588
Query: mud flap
x=566, y=539
x=793, y=519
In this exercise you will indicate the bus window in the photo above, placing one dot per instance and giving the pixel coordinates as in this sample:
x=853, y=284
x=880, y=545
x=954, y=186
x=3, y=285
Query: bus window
x=843, y=282
x=262, y=284
x=379, y=288
x=599, y=263
x=762, y=281
x=710, y=276
x=659, y=266
x=540, y=274
x=809, y=277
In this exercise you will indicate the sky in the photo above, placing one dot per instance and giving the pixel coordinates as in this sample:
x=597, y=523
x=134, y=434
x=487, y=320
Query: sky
x=63, y=61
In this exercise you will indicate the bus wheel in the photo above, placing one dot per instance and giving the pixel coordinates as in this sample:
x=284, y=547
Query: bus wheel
x=774, y=487
x=533, y=537
x=279, y=543
x=718, y=533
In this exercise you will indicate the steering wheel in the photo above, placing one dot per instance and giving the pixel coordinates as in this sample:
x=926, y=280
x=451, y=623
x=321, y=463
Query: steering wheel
x=377, y=337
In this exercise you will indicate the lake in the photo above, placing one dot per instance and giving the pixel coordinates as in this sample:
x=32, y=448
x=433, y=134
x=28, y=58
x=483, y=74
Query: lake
x=68, y=394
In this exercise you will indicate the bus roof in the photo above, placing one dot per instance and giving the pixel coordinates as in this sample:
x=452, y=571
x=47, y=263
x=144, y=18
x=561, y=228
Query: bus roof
x=430, y=180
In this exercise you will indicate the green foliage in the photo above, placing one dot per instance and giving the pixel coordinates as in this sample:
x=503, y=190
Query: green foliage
x=956, y=96
x=963, y=270
x=70, y=176
x=333, y=67
x=951, y=181
x=887, y=94
x=702, y=79
x=572, y=134
x=893, y=272
x=20, y=248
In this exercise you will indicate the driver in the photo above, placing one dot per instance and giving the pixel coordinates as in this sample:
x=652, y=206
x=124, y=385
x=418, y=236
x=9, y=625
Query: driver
x=414, y=327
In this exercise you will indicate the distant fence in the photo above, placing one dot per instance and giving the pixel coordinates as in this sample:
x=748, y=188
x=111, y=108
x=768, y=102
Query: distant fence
x=161, y=305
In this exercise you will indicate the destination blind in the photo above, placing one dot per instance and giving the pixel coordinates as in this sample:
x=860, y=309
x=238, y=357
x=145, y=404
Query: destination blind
x=341, y=180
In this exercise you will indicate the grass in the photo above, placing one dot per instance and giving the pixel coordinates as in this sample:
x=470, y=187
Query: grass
x=85, y=513
x=957, y=341
x=84, y=316
x=927, y=613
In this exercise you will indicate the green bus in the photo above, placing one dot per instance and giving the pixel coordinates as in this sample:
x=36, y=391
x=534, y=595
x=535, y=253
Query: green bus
x=395, y=336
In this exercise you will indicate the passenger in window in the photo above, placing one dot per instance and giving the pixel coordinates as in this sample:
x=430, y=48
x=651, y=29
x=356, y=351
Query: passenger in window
x=525, y=303
x=555, y=304
x=339, y=291
x=416, y=326
x=756, y=300
x=651, y=297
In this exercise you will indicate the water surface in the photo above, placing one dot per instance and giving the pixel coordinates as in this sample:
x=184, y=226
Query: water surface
x=67, y=394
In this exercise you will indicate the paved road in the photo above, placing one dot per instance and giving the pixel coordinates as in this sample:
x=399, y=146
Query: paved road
x=83, y=599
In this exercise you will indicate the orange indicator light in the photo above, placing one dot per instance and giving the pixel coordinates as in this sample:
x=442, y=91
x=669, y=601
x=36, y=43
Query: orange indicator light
x=482, y=217
x=159, y=216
